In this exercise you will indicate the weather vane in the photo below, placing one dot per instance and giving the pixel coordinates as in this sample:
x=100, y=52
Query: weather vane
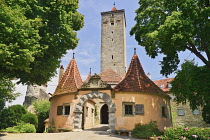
x=73, y=55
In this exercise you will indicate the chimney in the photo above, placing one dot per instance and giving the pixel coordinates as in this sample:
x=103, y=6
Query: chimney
x=61, y=72
x=149, y=75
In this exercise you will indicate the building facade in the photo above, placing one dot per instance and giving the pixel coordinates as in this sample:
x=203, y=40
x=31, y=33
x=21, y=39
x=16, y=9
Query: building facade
x=111, y=97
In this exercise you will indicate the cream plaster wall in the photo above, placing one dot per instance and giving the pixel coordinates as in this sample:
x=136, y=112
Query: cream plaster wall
x=89, y=114
x=64, y=122
x=152, y=110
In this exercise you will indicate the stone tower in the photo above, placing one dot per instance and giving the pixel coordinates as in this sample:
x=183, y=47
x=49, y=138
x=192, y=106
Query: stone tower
x=113, y=41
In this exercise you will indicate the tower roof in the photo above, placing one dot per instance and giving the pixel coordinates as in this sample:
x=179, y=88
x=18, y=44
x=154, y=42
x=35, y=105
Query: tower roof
x=136, y=80
x=110, y=76
x=114, y=9
x=70, y=81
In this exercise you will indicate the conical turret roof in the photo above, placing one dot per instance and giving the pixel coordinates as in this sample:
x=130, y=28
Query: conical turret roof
x=71, y=80
x=136, y=80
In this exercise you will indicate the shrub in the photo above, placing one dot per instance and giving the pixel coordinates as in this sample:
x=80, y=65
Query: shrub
x=146, y=130
x=22, y=128
x=180, y=133
x=30, y=118
x=42, y=108
x=11, y=116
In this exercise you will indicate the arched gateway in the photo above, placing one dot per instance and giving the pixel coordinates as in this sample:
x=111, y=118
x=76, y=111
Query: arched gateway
x=94, y=94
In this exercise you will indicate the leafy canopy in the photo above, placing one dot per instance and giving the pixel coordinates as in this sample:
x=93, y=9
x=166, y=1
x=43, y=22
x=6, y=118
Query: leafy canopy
x=169, y=27
x=7, y=89
x=34, y=35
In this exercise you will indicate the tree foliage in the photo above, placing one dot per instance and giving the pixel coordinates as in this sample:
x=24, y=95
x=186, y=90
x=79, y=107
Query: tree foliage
x=6, y=92
x=42, y=109
x=192, y=84
x=11, y=116
x=34, y=35
x=169, y=27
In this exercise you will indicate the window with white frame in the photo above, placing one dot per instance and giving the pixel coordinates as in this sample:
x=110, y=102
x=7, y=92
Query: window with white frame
x=180, y=112
x=162, y=86
x=196, y=112
x=64, y=109
x=169, y=85
x=128, y=108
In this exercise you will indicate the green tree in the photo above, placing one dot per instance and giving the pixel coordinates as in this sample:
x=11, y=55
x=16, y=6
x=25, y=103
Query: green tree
x=30, y=118
x=6, y=92
x=192, y=83
x=169, y=27
x=42, y=109
x=11, y=116
x=35, y=35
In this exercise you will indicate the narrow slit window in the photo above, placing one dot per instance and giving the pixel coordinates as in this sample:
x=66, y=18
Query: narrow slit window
x=112, y=57
x=164, y=111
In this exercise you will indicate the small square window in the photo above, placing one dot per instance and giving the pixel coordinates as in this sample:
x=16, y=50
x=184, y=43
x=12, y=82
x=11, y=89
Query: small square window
x=139, y=109
x=196, y=112
x=112, y=23
x=128, y=109
x=181, y=112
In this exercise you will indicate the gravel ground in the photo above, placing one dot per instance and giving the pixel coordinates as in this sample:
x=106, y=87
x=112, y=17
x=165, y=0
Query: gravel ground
x=83, y=135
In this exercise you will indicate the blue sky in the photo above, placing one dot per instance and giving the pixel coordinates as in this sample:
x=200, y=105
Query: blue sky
x=87, y=54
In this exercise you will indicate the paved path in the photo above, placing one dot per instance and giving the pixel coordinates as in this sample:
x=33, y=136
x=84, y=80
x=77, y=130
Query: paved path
x=88, y=134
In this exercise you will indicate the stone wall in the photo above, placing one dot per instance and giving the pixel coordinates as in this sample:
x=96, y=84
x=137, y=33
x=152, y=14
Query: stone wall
x=188, y=119
x=113, y=41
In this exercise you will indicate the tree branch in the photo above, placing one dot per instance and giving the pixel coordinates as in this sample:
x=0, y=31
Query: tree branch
x=205, y=49
x=198, y=54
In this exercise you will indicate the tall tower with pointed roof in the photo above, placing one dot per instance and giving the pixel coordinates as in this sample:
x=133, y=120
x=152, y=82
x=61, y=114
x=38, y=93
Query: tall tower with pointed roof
x=113, y=41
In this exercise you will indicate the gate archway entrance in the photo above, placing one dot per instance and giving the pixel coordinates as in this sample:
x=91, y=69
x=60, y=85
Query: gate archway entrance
x=94, y=94
x=104, y=114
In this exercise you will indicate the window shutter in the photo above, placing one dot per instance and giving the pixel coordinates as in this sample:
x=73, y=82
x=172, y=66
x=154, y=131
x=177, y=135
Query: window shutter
x=139, y=109
x=59, y=110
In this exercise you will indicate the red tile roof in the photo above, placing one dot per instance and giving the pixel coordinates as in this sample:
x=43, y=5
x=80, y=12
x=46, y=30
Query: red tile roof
x=163, y=84
x=110, y=76
x=114, y=9
x=136, y=80
x=70, y=81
